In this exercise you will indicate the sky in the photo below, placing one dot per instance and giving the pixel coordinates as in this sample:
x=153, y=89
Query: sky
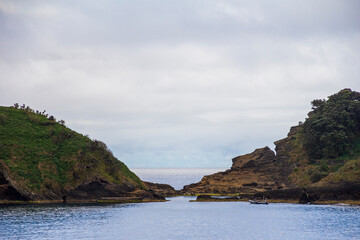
x=169, y=84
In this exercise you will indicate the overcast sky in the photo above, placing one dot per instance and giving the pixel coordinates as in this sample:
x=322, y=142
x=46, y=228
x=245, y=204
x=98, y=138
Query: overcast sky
x=188, y=83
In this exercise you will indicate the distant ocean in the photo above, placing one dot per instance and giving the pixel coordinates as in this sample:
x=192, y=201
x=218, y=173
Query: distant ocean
x=176, y=177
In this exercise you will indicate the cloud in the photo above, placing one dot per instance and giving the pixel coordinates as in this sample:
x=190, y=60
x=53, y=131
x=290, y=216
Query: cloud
x=183, y=84
x=21, y=8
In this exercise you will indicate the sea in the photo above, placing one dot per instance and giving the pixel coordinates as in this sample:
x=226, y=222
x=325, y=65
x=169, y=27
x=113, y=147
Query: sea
x=180, y=219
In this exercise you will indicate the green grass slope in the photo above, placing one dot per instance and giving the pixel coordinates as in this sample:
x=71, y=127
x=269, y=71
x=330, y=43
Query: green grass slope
x=41, y=155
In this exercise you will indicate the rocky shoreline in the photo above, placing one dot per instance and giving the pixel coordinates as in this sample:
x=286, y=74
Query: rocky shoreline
x=89, y=191
x=264, y=173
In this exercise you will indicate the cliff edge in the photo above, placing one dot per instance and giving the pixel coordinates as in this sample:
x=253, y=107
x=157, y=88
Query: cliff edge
x=319, y=160
x=259, y=171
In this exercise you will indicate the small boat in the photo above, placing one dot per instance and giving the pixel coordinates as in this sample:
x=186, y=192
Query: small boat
x=256, y=201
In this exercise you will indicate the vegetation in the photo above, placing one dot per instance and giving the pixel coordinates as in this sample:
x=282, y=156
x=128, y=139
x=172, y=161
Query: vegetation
x=41, y=153
x=44, y=154
x=327, y=145
x=333, y=126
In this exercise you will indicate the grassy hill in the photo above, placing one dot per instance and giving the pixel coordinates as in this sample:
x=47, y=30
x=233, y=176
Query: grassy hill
x=42, y=157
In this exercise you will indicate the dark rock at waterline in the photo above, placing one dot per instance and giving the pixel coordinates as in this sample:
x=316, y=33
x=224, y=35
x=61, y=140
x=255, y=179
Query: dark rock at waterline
x=161, y=189
x=342, y=192
x=8, y=192
x=338, y=192
x=93, y=191
x=204, y=198
x=98, y=188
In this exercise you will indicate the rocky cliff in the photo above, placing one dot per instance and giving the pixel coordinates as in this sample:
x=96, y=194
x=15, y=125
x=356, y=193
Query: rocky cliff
x=259, y=171
x=319, y=160
x=264, y=173
x=43, y=160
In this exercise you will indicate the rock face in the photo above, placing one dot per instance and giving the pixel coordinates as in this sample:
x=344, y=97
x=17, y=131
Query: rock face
x=250, y=173
x=264, y=173
x=161, y=189
x=95, y=190
x=258, y=171
x=329, y=192
x=100, y=189
x=8, y=192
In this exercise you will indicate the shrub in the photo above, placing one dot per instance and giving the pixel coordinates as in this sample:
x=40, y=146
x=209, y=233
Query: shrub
x=332, y=126
x=2, y=118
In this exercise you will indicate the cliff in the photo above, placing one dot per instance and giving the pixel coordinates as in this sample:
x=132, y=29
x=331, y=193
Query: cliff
x=319, y=160
x=259, y=171
x=43, y=160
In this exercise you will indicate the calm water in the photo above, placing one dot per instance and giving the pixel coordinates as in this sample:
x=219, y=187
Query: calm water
x=180, y=219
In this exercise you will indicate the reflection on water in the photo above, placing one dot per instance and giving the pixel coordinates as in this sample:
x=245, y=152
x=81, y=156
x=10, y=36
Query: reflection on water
x=57, y=221
x=179, y=219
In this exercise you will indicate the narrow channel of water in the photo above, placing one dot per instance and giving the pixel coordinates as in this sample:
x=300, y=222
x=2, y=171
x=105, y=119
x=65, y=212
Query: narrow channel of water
x=180, y=219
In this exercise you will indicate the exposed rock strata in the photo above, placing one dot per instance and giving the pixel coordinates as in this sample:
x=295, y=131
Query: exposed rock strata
x=258, y=171
x=264, y=173
x=250, y=173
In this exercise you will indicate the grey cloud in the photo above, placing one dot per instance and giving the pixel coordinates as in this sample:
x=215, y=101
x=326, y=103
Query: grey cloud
x=183, y=83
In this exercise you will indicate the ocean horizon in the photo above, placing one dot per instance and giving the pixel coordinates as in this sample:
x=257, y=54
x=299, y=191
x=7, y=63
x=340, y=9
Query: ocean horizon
x=176, y=177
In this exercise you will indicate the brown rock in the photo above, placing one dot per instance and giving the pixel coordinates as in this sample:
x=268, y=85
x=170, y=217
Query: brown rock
x=259, y=171
x=161, y=189
x=264, y=173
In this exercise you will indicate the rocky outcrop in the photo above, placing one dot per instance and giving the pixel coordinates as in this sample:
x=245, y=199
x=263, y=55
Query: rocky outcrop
x=100, y=189
x=93, y=191
x=259, y=171
x=208, y=198
x=250, y=173
x=331, y=192
x=263, y=173
x=338, y=192
x=8, y=192
x=161, y=189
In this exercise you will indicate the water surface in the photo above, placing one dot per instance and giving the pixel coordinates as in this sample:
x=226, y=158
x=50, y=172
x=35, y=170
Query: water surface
x=180, y=219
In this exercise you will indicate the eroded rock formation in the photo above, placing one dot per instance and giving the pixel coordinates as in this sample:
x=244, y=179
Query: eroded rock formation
x=161, y=189
x=258, y=171
x=92, y=191
x=264, y=173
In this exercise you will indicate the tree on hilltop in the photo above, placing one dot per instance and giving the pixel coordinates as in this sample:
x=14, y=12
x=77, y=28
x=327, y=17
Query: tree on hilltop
x=333, y=125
